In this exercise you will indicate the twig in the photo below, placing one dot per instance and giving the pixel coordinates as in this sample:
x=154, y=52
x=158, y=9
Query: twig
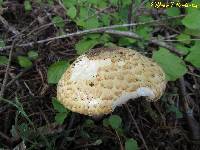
x=17, y=77
x=167, y=46
x=120, y=142
x=138, y=129
x=5, y=137
x=8, y=27
x=193, y=124
x=7, y=70
x=79, y=33
x=154, y=41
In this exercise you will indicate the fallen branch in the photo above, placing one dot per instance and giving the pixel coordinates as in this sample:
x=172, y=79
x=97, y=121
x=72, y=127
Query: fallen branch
x=154, y=41
x=79, y=33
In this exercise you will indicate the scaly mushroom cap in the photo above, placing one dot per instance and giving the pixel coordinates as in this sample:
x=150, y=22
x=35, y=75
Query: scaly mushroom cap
x=104, y=78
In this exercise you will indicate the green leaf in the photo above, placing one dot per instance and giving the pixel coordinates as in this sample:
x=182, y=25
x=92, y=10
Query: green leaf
x=105, y=19
x=3, y=60
x=173, y=11
x=50, y=2
x=60, y=117
x=124, y=41
x=24, y=62
x=2, y=43
x=184, y=38
x=56, y=70
x=144, y=32
x=115, y=121
x=173, y=65
x=33, y=55
x=27, y=5
x=131, y=144
x=69, y=3
x=194, y=55
x=83, y=13
x=114, y=2
x=58, y=21
x=1, y=2
x=182, y=48
x=191, y=20
x=58, y=106
x=71, y=12
x=91, y=23
x=126, y=2
x=143, y=18
x=24, y=131
x=84, y=45
x=95, y=2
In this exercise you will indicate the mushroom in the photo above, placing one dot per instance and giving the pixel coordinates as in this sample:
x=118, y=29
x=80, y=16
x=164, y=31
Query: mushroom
x=104, y=78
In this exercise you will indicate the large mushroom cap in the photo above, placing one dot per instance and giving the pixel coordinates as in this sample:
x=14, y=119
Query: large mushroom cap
x=104, y=78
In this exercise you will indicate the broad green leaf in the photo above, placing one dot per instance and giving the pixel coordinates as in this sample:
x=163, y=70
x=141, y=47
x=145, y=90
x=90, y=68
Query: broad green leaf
x=60, y=117
x=184, y=38
x=194, y=55
x=71, y=12
x=131, y=144
x=114, y=2
x=24, y=62
x=102, y=4
x=143, y=18
x=56, y=70
x=91, y=23
x=50, y=2
x=33, y=55
x=83, y=13
x=84, y=45
x=144, y=32
x=80, y=22
x=58, y=21
x=58, y=106
x=173, y=65
x=93, y=36
x=69, y=3
x=95, y=2
x=105, y=19
x=105, y=38
x=1, y=2
x=3, y=60
x=126, y=2
x=191, y=20
x=24, y=131
x=115, y=121
x=27, y=5
x=124, y=41
x=2, y=43
x=182, y=48
x=173, y=11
